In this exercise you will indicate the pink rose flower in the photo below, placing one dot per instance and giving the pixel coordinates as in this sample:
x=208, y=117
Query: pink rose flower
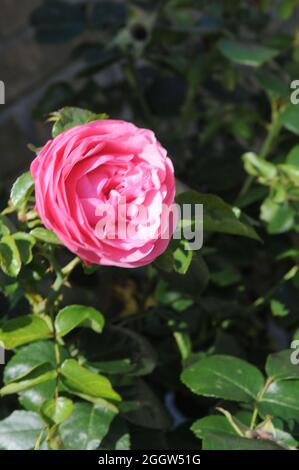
x=106, y=164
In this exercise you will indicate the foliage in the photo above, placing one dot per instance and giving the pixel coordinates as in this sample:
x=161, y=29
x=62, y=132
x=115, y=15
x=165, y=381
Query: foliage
x=197, y=350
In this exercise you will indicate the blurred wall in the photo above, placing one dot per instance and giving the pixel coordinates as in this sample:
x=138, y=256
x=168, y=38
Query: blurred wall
x=26, y=68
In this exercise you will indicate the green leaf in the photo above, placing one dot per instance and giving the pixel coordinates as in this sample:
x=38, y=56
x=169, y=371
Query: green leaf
x=5, y=225
x=33, y=398
x=282, y=219
x=214, y=423
x=10, y=259
x=289, y=118
x=165, y=261
x=74, y=316
x=27, y=359
x=286, y=8
x=278, y=309
x=279, y=366
x=97, y=117
x=285, y=439
x=87, y=426
x=280, y=436
x=218, y=216
x=291, y=172
x=293, y=156
x=268, y=209
x=224, y=377
x=177, y=257
x=118, y=437
x=253, y=195
x=25, y=243
x=23, y=330
x=39, y=375
x=56, y=411
x=235, y=423
x=182, y=257
x=281, y=400
x=69, y=117
x=244, y=53
x=81, y=380
x=121, y=366
x=221, y=441
x=227, y=276
x=44, y=235
x=145, y=408
x=20, y=431
x=273, y=85
x=22, y=189
x=120, y=344
x=184, y=343
x=258, y=166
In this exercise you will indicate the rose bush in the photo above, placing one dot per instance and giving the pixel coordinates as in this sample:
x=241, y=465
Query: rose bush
x=200, y=349
x=106, y=164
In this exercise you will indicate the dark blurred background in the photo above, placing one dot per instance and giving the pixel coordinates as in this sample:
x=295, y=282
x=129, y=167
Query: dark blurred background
x=28, y=67
x=179, y=67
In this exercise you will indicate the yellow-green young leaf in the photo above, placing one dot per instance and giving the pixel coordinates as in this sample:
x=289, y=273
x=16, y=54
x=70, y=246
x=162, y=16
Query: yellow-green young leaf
x=282, y=218
x=87, y=426
x=39, y=375
x=279, y=366
x=183, y=342
x=278, y=309
x=286, y=8
x=224, y=377
x=23, y=330
x=69, y=117
x=10, y=259
x=5, y=225
x=81, y=380
x=74, y=316
x=244, y=53
x=56, y=411
x=44, y=235
x=290, y=172
x=96, y=117
x=177, y=257
x=25, y=243
x=22, y=189
x=182, y=257
x=258, y=166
